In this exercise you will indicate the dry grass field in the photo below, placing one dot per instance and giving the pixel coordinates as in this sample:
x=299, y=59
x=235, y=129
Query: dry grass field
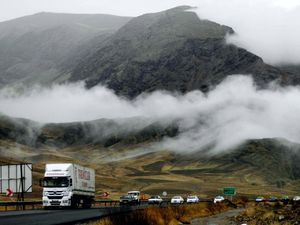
x=150, y=173
x=171, y=215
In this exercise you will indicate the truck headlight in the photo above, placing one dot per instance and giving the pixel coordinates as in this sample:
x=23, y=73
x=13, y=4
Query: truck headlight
x=65, y=193
x=46, y=193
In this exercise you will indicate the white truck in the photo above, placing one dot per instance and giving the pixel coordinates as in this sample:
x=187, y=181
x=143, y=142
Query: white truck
x=68, y=185
x=136, y=195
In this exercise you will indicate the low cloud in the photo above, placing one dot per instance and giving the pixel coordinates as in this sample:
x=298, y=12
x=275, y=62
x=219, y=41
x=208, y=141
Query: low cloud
x=268, y=28
x=221, y=119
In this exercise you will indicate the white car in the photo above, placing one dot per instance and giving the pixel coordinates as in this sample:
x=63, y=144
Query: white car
x=155, y=199
x=177, y=200
x=219, y=199
x=296, y=198
x=260, y=199
x=192, y=199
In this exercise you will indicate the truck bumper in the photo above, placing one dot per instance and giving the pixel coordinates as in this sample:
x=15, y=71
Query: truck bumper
x=56, y=202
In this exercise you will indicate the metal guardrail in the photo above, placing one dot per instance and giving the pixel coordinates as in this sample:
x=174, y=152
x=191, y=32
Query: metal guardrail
x=20, y=205
x=26, y=205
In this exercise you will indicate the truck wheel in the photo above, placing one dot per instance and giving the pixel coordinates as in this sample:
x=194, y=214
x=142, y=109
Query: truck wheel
x=87, y=204
x=75, y=203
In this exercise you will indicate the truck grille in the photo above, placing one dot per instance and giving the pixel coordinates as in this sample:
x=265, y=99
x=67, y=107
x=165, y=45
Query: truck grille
x=55, y=203
x=55, y=197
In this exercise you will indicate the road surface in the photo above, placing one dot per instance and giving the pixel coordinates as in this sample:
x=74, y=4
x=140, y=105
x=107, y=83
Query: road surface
x=219, y=219
x=55, y=217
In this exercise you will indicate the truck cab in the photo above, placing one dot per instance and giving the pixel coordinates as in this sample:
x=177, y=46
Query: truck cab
x=136, y=195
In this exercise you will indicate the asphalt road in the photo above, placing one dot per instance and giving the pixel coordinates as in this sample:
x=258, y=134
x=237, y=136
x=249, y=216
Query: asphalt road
x=55, y=217
x=219, y=219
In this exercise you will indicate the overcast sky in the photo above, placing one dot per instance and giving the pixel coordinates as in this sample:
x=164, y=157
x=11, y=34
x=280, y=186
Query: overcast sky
x=268, y=28
x=15, y=8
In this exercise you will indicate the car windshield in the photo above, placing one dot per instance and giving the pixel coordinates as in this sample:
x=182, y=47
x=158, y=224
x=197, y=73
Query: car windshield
x=191, y=197
x=133, y=193
x=56, y=182
x=126, y=197
x=155, y=196
x=176, y=197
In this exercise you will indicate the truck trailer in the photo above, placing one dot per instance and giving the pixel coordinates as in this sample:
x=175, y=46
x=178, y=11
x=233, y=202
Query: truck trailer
x=68, y=185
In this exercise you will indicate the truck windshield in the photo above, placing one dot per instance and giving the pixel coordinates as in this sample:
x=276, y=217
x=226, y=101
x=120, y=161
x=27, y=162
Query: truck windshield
x=56, y=182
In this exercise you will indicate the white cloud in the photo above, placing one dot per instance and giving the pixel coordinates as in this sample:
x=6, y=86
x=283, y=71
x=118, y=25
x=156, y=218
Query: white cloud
x=235, y=111
x=264, y=27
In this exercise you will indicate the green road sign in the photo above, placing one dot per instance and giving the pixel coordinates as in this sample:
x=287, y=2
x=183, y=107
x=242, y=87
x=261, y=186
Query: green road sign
x=229, y=191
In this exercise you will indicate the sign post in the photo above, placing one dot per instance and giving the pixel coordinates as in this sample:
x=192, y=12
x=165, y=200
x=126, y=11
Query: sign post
x=16, y=178
x=229, y=191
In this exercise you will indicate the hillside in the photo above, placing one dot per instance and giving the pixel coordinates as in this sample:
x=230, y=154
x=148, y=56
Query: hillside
x=171, y=50
x=124, y=159
x=33, y=48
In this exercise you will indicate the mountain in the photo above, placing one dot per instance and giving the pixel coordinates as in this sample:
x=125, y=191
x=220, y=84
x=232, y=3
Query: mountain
x=117, y=149
x=103, y=132
x=172, y=50
x=33, y=48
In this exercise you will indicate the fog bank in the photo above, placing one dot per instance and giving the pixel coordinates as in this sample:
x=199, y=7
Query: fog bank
x=231, y=113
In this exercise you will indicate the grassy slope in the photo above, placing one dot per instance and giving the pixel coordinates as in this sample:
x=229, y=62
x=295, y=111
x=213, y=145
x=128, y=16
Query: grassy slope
x=154, y=173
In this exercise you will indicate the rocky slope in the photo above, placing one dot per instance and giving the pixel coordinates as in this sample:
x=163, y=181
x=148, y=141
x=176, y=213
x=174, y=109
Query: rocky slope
x=33, y=48
x=172, y=50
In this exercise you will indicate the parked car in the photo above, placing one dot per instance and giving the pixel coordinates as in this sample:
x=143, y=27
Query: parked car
x=260, y=199
x=192, y=199
x=155, y=199
x=177, y=200
x=219, y=199
x=296, y=198
x=127, y=200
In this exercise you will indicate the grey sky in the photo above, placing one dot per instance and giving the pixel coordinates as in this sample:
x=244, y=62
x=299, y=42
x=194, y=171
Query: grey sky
x=15, y=8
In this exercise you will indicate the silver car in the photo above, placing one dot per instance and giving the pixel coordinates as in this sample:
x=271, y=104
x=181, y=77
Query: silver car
x=192, y=199
x=155, y=199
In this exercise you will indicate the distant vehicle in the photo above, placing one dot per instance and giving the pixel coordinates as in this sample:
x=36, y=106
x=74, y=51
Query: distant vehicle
x=136, y=195
x=68, y=184
x=177, y=200
x=260, y=199
x=285, y=199
x=192, y=199
x=296, y=198
x=155, y=199
x=219, y=199
x=127, y=200
x=273, y=199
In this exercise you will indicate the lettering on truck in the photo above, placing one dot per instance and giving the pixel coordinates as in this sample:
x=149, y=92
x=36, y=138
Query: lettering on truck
x=84, y=175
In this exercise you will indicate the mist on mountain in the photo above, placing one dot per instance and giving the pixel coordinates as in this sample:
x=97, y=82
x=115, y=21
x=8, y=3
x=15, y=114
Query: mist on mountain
x=235, y=111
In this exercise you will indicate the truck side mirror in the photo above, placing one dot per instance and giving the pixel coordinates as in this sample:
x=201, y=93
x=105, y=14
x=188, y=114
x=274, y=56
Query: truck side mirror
x=71, y=183
x=41, y=182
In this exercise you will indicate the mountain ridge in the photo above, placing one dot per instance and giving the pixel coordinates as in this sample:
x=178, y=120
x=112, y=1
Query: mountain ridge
x=172, y=50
